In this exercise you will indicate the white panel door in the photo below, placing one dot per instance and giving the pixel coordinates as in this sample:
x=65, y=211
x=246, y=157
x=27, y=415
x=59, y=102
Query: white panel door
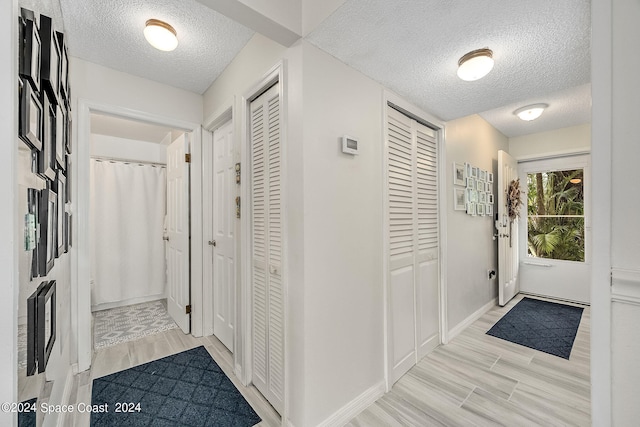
x=552, y=274
x=508, y=262
x=223, y=243
x=413, y=245
x=266, y=233
x=178, y=291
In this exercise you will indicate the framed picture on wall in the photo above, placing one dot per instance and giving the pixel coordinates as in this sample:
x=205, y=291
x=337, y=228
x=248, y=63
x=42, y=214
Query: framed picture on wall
x=29, y=50
x=47, y=156
x=61, y=226
x=32, y=331
x=489, y=198
x=483, y=175
x=48, y=206
x=467, y=170
x=60, y=138
x=46, y=320
x=64, y=67
x=471, y=208
x=480, y=209
x=474, y=172
x=459, y=199
x=29, y=116
x=50, y=63
x=488, y=209
x=458, y=174
x=489, y=177
x=33, y=203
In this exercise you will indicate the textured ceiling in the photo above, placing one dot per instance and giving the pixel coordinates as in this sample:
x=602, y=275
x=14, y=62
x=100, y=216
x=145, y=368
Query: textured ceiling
x=109, y=33
x=540, y=48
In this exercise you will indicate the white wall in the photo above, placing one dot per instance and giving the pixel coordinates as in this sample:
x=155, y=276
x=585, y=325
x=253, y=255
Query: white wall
x=343, y=222
x=471, y=250
x=285, y=12
x=107, y=86
x=127, y=149
x=625, y=230
x=243, y=73
x=574, y=139
x=9, y=224
x=314, y=12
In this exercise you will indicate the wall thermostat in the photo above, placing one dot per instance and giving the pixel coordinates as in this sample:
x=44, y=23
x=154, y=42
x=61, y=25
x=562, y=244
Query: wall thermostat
x=350, y=145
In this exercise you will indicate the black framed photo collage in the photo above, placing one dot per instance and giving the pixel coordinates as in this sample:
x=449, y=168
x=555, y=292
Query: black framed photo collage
x=44, y=128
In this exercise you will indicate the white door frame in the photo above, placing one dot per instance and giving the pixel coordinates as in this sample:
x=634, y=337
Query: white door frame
x=439, y=127
x=80, y=260
x=243, y=313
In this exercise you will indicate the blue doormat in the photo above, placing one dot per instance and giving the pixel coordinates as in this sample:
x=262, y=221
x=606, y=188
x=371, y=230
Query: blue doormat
x=27, y=417
x=541, y=325
x=185, y=389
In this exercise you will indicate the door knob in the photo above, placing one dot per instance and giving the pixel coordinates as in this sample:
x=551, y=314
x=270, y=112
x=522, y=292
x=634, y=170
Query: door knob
x=165, y=238
x=212, y=243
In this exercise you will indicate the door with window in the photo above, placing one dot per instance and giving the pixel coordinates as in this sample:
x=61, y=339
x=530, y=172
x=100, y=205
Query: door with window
x=556, y=233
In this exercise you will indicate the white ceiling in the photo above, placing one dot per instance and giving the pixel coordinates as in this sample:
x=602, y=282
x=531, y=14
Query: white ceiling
x=541, y=50
x=109, y=33
x=540, y=47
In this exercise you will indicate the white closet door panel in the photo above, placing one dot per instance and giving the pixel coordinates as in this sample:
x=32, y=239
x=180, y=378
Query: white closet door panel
x=266, y=207
x=428, y=314
x=402, y=303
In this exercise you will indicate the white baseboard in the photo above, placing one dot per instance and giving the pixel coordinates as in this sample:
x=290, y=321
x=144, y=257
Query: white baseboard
x=453, y=332
x=131, y=301
x=353, y=408
x=625, y=286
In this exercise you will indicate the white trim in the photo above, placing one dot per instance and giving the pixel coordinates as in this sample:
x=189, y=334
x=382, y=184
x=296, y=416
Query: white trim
x=601, y=135
x=439, y=128
x=66, y=396
x=220, y=116
x=625, y=286
x=276, y=74
x=80, y=263
x=126, y=302
x=349, y=411
x=554, y=154
x=456, y=330
x=196, y=253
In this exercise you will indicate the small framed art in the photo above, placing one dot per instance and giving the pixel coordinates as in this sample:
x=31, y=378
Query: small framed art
x=458, y=174
x=459, y=199
x=30, y=116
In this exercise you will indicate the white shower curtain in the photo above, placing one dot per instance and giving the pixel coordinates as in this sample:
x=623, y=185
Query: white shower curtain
x=126, y=226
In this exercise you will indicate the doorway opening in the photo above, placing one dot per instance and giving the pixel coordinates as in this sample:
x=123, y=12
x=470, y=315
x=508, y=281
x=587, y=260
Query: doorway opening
x=128, y=229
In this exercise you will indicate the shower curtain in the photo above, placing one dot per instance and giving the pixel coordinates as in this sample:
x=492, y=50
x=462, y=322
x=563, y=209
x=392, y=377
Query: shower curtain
x=126, y=227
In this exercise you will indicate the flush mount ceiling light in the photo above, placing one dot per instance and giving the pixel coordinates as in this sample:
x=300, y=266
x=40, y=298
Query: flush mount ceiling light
x=575, y=181
x=160, y=35
x=530, y=112
x=475, y=64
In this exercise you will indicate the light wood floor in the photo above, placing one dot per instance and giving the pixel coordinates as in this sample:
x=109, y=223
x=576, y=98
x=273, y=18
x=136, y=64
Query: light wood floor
x=481, y=380
x=126, y=355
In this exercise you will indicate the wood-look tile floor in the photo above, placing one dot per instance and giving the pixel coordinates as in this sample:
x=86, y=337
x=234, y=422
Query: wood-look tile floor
x=481, y=380
x=126, y=355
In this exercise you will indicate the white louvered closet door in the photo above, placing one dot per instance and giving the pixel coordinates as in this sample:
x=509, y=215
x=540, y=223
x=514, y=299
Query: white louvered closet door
x=266, y=223
x=413, y=240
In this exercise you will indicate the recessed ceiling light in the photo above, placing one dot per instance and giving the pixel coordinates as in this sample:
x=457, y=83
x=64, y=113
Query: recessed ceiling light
x=475, y=64
x=160, y=35
x=530, y=112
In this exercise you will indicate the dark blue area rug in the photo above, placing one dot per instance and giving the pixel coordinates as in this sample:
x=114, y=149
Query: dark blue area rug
x=185, y=389
x=541, y=325
x=27, y=418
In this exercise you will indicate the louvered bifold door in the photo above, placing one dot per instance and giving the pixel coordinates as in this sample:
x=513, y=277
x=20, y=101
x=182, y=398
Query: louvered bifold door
x=266, y=229
x=427, y=313
x=412, y=239
x=402, y=219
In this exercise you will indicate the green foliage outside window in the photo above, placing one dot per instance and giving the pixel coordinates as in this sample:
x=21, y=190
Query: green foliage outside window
x=555, y=212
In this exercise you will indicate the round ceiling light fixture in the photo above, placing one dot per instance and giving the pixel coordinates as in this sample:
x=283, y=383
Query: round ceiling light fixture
x=475, y=64
x=530, y=112
x=575, y=181
x=160, y=35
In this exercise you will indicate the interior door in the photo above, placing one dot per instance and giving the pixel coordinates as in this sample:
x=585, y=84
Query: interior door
x=413, y=240
x=507, y=230
x=223, y=243
x=555, y=243
x=178, y=292
x=266, y=236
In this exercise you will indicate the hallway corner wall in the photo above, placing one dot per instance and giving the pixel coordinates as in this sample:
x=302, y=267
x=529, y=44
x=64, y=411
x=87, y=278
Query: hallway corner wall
x=470, y=246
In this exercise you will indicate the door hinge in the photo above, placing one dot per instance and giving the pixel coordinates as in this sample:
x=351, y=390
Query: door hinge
x=237, y=173
x=187, y=158
x=238, y=207
x=187, y=309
